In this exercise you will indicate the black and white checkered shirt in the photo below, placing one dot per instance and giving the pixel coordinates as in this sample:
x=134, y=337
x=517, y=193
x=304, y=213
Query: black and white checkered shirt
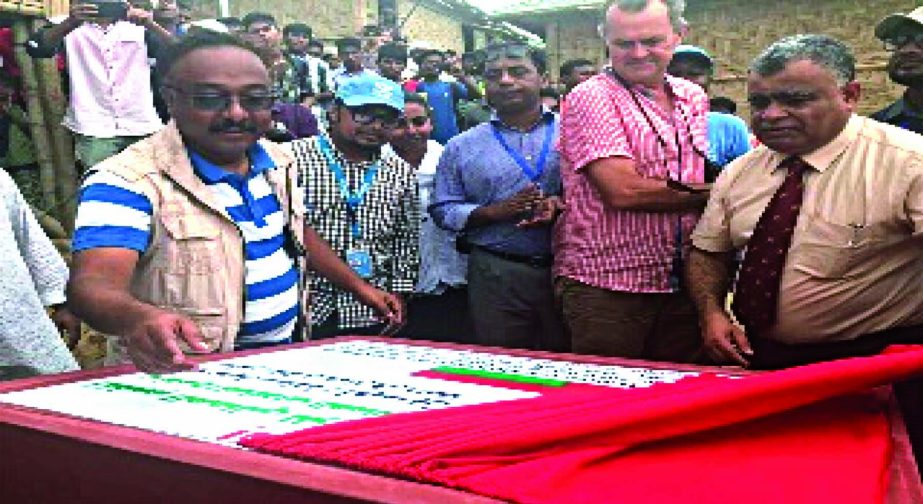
x=389, y=220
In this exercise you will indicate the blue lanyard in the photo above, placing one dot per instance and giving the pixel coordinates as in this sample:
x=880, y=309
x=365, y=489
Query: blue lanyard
x=534, y=173
x=353, y=199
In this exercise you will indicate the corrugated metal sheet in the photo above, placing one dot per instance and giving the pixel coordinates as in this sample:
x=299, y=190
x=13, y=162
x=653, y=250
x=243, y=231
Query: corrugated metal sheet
x=515, y=7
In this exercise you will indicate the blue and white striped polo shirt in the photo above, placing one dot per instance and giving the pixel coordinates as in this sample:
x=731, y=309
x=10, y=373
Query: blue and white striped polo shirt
x=113, y=213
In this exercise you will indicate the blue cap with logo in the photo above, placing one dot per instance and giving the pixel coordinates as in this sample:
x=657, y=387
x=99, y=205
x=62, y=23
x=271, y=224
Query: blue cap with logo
x=371, y=89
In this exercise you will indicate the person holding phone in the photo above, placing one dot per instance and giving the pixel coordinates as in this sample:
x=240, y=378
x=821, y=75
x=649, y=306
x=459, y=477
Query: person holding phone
x=109, y=45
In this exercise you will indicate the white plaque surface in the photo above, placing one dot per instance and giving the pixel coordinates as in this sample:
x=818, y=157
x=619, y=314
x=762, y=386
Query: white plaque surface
x=288, y=390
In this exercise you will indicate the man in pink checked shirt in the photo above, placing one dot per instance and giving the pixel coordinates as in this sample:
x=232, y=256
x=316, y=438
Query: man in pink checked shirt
x=632, y=143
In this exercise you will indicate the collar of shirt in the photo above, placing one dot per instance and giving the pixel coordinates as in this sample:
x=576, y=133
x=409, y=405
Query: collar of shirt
x=107, y=27
x=547, y=115
x=821, y=159
x=340, y=158
x=674, y=84
x=341, y=72
x=679, y=91
x=213, y=174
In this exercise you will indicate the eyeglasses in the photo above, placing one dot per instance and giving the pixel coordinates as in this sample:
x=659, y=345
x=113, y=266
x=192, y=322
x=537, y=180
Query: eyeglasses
x=901, y=41
x=416, y=122
x=253, y=101
x=368, y=116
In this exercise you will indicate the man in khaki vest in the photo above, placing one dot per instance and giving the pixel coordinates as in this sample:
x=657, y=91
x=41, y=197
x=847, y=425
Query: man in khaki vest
x=193, y=239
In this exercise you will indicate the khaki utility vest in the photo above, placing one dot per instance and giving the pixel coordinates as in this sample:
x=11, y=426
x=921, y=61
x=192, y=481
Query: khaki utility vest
x=194, y=264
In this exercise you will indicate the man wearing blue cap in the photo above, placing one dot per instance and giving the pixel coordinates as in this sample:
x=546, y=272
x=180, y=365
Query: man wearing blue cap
x=728, y=135
x=364, y=205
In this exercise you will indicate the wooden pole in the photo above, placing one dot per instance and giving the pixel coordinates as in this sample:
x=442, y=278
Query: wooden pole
x=40, y=137
x=62, y=148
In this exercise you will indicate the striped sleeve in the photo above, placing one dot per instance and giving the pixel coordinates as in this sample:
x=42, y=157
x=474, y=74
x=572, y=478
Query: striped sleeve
x=592, y=127
x=112, y=213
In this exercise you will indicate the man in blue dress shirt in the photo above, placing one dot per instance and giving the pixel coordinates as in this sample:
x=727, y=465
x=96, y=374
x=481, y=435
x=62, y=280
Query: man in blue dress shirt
x=499, y=184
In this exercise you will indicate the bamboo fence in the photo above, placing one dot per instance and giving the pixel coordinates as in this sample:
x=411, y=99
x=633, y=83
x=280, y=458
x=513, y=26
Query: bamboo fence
x=38, y=129
x=46, y=103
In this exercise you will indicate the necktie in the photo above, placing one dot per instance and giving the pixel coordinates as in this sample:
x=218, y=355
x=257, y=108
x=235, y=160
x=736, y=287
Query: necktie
x=756, y=296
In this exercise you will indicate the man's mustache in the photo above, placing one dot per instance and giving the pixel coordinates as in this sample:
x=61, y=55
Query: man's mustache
x=234, y=127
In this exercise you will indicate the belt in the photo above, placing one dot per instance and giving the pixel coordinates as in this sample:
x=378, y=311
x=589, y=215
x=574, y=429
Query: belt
x=541, y=261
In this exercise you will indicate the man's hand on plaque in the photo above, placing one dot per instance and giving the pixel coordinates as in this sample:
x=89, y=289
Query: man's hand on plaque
x=724, y=340
x=390, y=307
x=154, y=346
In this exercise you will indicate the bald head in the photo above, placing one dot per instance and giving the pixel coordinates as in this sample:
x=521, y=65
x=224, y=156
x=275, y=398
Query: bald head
x=221, y=99
x=674, y=8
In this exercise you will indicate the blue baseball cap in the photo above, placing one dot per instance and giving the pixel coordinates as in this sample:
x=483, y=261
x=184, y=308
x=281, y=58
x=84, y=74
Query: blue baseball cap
x=694, y=51
x=371, y=89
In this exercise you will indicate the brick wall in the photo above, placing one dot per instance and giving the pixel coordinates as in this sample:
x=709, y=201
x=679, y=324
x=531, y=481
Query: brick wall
x=735, y=31
x=332, y=19
x=436, y=28
x=572, y=35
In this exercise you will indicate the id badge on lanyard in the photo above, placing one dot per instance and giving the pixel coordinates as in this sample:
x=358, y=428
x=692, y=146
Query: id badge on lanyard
x=358, y=259
x=361, y=262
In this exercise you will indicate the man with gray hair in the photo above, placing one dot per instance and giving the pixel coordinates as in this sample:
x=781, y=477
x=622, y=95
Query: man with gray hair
x=632, y=147
x=830, y=211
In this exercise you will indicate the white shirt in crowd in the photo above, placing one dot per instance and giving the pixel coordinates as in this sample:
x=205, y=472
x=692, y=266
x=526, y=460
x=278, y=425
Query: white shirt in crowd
x=34, y=277
x=110, y=81
x=441, y=265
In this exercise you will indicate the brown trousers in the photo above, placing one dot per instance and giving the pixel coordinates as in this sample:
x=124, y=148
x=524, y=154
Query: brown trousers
x=662, y=327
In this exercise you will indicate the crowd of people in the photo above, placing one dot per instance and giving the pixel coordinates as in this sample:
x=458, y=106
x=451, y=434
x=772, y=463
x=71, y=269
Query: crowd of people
x=245, y=188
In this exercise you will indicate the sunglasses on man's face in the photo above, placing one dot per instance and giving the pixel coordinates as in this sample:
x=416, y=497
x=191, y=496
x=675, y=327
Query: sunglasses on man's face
x=416, y=122
x=368, y=116
x=208, y=101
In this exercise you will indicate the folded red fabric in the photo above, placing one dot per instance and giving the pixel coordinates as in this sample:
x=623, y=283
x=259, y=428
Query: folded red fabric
x=771, y=437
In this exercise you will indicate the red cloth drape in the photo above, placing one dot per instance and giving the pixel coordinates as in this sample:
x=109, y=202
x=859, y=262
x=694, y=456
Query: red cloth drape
x=785, y=436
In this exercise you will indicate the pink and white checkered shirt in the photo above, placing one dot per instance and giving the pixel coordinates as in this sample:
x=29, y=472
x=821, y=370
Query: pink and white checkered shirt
x=624, y=250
